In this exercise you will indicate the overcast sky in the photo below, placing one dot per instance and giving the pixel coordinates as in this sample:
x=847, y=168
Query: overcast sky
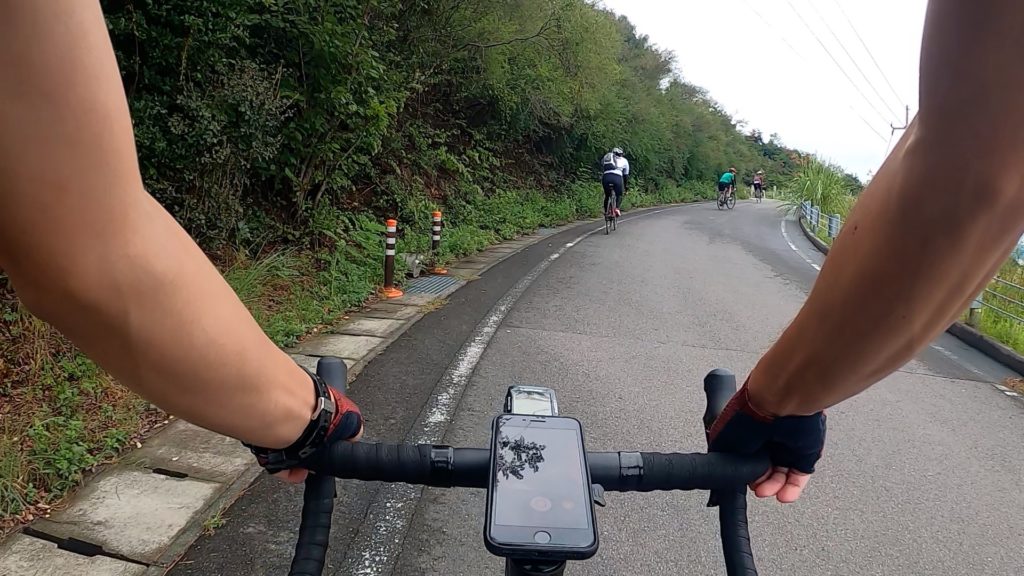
x=764, y=65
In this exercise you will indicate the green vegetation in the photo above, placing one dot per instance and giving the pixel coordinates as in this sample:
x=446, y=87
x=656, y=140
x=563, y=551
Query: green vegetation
x=213, y=523
x=1005, y=294
x=824, y=185
x=281, y=134
x=59, y=415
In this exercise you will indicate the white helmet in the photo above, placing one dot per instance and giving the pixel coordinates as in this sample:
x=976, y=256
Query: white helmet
x=617, y=151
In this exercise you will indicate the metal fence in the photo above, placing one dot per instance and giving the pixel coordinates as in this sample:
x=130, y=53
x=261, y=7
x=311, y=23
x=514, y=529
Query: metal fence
x=824, y=226
x=1001, y=302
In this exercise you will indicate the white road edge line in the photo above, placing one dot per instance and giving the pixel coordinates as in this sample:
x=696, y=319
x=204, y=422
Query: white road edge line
x=782, y=226
x=379, y=540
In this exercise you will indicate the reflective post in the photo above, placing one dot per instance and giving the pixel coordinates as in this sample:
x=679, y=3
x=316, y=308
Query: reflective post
x=389, y=290
x=974, y=311
x=435, y=243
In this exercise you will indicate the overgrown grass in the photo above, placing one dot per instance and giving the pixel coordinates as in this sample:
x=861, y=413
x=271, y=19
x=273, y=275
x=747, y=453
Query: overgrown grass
x=1004, y=294
x=60, y=415
x=824, y=186
x=474, y=221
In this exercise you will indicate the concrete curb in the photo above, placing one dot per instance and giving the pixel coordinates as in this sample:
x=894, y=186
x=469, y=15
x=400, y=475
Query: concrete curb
x=812, y=237
x=988, y=346
x=993, y=349
x=194, y=529
x=79, y=531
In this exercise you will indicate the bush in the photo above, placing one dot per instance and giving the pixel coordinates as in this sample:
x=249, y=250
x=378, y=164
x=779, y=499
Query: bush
x=823, y=185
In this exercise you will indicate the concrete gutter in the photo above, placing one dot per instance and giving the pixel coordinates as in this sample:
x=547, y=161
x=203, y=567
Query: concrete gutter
x=812, y=237
x=988, y=346
x=139, y=516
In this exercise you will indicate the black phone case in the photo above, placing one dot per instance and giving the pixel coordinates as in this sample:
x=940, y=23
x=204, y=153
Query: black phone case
x=551, y=553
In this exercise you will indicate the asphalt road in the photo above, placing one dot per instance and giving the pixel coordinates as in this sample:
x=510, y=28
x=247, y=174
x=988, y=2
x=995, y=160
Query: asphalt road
x=920, y=475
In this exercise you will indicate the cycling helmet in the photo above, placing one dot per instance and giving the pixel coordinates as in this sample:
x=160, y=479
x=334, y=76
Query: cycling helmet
x=733, y=170
x=617, y=151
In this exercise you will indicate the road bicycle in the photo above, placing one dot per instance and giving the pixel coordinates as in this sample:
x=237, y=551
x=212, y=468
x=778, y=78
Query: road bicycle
x=726, y=201
x=725, y=475
x=611, y=215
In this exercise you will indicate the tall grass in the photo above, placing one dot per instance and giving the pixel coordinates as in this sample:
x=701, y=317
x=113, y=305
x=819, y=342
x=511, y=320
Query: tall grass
x=824, y=186
x=1005, y=296
x=821, y=184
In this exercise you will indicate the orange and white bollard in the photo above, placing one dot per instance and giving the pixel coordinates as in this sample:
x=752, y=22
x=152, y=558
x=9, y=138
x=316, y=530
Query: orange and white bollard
x=435, y=243
x=389, y=290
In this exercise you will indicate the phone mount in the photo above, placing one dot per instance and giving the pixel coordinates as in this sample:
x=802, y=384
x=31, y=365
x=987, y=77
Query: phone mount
x=537, y=401
x=525, y=568
x=532, y=401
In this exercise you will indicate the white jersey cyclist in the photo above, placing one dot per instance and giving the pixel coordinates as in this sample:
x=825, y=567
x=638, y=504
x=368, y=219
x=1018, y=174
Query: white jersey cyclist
x=615, y=170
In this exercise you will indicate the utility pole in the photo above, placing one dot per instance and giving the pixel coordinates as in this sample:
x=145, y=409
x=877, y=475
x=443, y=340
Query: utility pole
x=906, y=122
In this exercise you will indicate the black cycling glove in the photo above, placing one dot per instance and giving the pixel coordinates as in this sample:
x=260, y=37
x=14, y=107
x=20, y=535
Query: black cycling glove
x=790, y=441
x=335, y=419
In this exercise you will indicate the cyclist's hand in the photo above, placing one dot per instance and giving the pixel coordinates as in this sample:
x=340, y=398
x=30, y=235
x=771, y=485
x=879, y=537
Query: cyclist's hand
x=345, y=426
x=794, y=444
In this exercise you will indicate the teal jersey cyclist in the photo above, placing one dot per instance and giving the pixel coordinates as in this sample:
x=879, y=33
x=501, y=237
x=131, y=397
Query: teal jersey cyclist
x=728, y=179
x=726, y=184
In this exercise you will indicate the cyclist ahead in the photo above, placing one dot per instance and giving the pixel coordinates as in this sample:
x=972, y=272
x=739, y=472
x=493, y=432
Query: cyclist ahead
x=726, y=184
x=616, y=169
x=759, y=183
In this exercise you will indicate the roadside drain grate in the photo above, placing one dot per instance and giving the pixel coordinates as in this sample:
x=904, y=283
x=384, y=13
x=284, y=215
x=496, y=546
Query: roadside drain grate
x=76, y=546
x=430, y=284
x=171, y=473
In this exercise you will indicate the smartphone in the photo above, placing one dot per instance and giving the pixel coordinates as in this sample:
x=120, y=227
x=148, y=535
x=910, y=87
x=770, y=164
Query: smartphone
x=539, y=500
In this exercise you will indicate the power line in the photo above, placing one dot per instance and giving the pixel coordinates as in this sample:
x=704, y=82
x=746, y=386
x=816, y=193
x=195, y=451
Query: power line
x=868, y=50
x=804, y=58
x=866, y=123
x=852, y=59
x=769, y=24
x=836, y=62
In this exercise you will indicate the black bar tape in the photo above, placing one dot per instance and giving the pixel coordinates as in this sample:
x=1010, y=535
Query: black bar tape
x=732, y=515
x=697, y=471
x=315, y=528
x=646, y=472
x=719, y=386
x=407, y=463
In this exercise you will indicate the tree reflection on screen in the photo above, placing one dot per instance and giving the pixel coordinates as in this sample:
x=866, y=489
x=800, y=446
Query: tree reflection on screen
x=514, y=455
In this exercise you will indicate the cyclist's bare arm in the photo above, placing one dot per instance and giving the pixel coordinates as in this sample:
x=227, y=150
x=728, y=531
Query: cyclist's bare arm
x=90, y=251
x=917, y=248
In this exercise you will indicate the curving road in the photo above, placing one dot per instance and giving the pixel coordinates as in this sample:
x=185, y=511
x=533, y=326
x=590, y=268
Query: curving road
x=920, y=475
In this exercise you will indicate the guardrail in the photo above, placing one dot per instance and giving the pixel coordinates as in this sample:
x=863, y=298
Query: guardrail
x=1001, y=302
x=819, y=222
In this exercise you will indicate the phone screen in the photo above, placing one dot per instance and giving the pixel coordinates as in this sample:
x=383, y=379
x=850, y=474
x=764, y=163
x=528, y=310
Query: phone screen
x=539, y=481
